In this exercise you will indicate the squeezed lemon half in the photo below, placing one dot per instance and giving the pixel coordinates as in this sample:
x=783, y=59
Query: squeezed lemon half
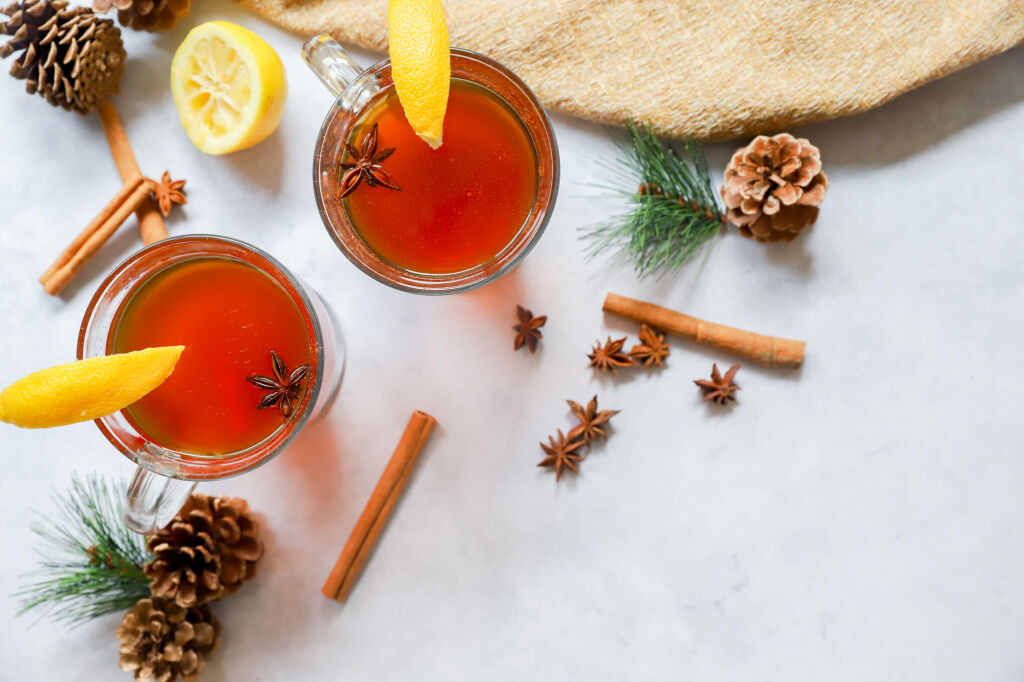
x=229, y=87
x=420, y=64
x=86, y=389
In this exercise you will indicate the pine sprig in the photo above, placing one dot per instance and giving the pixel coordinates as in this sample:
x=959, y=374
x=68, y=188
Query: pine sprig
x=674, y=212
x=92, y=563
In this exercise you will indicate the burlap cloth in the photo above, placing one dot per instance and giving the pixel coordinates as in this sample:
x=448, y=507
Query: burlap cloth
x=701, y=68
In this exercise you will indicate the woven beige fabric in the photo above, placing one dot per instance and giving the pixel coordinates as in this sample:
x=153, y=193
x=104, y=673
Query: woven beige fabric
x=701, y=68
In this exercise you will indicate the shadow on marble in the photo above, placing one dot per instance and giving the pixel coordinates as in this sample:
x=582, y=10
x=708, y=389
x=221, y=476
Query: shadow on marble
x=316, y=458
x=123, y=244
x=146, y=94
x=499, y=298
x=793, y=256
x=922, y=117
x=263, y=164
x=497, y=301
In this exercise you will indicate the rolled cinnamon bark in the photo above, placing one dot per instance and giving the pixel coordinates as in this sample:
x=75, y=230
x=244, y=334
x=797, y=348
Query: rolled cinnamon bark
x=108, y=211
x=378, y=507
x=151, y=223
x=768, y=350
x=91, y=239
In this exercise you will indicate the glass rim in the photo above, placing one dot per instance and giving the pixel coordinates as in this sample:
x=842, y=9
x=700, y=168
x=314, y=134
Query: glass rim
x=440, y=284
x=190, y=466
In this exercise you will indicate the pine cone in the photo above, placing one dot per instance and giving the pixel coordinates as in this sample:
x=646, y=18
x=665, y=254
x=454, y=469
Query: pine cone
x=69, y=55
x=773, y=186
x=146, y=15
x=161, y=640
x=208, y=550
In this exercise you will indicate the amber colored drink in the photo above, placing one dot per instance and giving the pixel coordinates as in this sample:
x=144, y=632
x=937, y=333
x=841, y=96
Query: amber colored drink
x=229, y=316
x=461, y=204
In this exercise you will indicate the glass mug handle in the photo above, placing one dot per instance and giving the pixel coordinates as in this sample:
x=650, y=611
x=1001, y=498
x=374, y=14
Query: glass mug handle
x=152, y=500
x=337, y=71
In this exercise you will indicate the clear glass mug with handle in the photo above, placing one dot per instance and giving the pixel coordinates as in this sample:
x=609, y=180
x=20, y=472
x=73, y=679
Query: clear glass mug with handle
x=353, y=88
x=164, y=478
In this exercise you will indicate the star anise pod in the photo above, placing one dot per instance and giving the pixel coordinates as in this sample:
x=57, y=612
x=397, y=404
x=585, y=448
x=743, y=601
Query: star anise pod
x=609, y=356
x=364, y=164
x=721, y=388
x=652, y=349
x=561, y=454
x=528, y=329
x=167, y=192
x=591, y=421
x=285, y=389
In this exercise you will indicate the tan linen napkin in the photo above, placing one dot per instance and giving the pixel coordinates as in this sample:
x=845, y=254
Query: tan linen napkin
x=708, y=69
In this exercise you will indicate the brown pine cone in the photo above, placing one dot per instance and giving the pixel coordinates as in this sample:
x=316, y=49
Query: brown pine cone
x=161, y=640
x=773, y=186
x=208, y=550
x=146, y=15
x=237, y=536
x=70, y=56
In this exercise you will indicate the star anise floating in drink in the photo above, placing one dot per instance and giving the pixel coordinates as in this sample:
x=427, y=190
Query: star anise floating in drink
x=364, y=164
x=609, y=357
x=285, y=389
x=720, y=389
x=528, y=330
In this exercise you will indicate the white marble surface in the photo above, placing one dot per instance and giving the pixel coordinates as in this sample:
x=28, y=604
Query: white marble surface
x=856, y=520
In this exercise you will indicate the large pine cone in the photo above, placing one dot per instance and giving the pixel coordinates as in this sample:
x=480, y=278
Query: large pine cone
x=69, y=55
x=208, y=550
x=146, y=15
x=773, y=186
x=161, y=640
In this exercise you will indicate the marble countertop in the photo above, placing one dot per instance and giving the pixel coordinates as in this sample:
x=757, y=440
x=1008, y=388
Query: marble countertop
x=856, y=520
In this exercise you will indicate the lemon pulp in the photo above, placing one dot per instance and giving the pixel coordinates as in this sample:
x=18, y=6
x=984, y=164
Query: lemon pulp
x=229, y=87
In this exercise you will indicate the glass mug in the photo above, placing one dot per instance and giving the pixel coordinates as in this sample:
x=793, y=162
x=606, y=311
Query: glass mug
x=165, y=478
x=354, y=88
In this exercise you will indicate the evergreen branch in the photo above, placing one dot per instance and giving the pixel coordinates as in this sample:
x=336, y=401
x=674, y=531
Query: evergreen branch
x=92, y=563
x=675, y=210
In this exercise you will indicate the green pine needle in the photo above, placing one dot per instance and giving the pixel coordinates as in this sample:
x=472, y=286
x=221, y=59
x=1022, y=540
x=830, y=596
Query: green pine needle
x=92, y=563
x=675, y=210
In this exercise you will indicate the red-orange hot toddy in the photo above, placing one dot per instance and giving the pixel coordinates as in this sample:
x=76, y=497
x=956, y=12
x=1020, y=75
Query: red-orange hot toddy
x=229, y=316
x=460, y=204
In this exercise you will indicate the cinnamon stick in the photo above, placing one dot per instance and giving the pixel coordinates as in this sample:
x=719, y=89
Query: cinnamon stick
x=99, y=230
x=768, y=350
x=119, y=199
x=378, y=508
x=151, y=223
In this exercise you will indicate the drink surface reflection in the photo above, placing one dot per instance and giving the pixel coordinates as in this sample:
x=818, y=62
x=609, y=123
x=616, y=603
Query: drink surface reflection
x=229, y=316
x=459, y=205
